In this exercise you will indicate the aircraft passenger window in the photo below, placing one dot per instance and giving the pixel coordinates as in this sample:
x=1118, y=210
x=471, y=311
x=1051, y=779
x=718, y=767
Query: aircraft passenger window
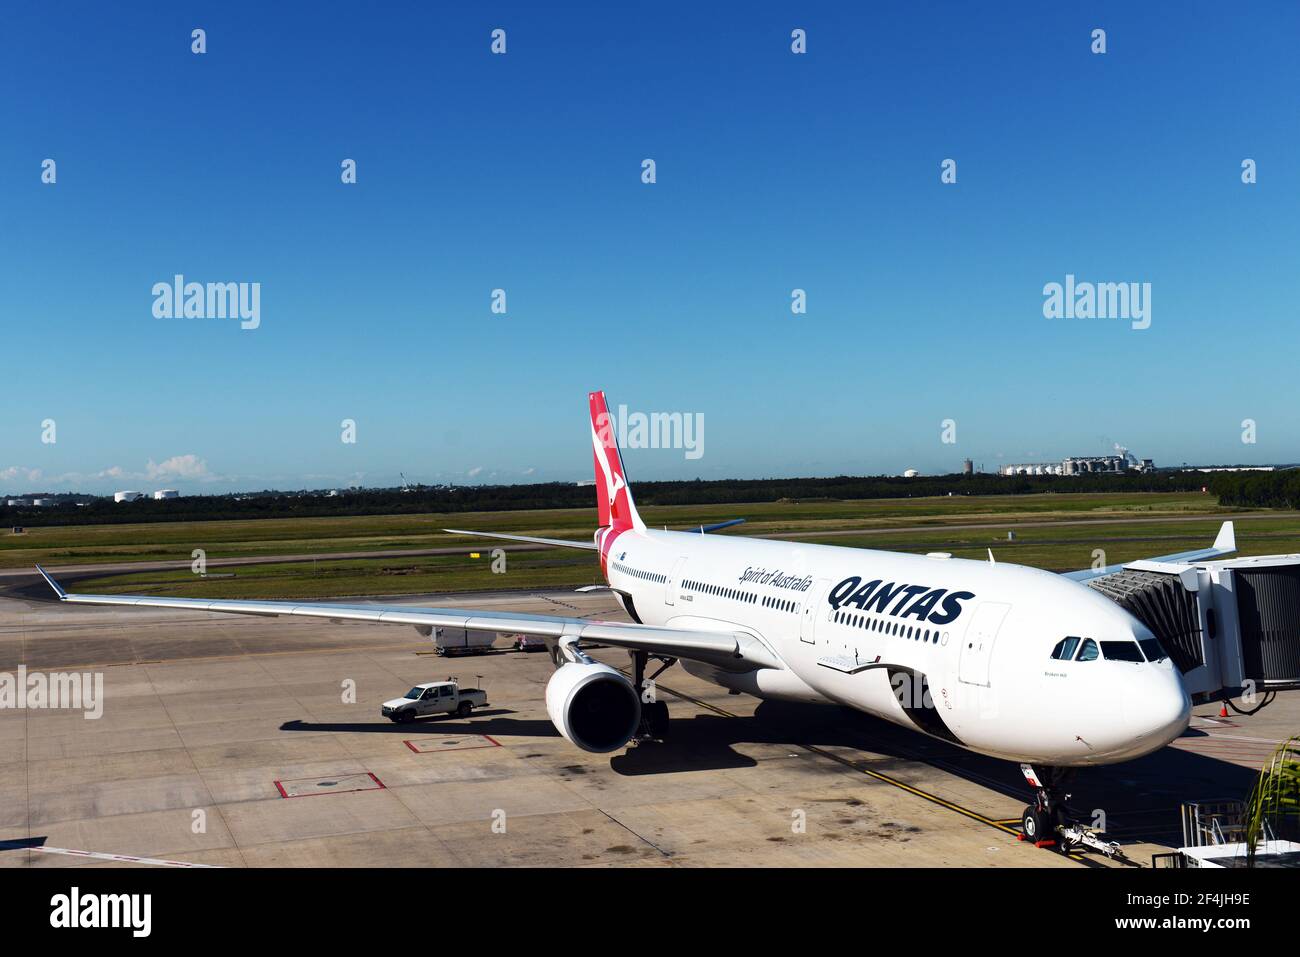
x=1121, y=651
x=1089, y=650
x=1151, y=648
x=1065, y=648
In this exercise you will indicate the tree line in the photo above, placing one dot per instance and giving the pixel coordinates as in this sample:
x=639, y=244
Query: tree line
x=1252, y=489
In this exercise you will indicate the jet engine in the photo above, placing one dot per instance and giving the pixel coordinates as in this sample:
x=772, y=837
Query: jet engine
x=593, y=706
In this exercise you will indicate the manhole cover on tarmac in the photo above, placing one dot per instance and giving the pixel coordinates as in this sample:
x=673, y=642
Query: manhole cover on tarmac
x=451, y=742
x=335, y=784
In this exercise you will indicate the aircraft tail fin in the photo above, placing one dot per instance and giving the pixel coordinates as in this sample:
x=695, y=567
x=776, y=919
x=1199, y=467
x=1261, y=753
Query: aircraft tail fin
x=613, y=496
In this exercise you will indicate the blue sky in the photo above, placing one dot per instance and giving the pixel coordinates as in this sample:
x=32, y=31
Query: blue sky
x=775, y=171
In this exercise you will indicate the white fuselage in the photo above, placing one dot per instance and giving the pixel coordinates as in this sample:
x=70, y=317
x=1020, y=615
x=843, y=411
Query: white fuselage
x=965, y=648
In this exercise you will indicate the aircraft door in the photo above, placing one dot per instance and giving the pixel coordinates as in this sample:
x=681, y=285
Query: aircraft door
x=813, y=600
x=977, y=645
x=674, y=581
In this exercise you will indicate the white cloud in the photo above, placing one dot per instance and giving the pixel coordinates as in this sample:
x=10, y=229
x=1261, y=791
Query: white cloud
x=473, y=473
x=178, y=466
x=19, y=472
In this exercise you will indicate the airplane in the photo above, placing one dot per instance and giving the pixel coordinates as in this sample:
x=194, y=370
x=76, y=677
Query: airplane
x=1001, y=659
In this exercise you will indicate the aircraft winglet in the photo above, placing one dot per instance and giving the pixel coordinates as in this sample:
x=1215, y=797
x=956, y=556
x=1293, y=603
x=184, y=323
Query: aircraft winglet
x=58, y=589
x=1227, y=538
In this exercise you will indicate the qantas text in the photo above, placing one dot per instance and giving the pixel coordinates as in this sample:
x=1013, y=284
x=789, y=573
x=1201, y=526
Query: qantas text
x=890, y=598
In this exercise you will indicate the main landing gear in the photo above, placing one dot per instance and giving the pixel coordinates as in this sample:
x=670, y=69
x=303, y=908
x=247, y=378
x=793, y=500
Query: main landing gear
x=654, y=713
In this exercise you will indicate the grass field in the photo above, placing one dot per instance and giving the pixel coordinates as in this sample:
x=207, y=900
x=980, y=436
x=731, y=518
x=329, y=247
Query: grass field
x=1149, y=524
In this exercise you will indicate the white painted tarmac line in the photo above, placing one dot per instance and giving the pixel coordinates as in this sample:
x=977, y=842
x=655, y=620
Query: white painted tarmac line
x=126, y=858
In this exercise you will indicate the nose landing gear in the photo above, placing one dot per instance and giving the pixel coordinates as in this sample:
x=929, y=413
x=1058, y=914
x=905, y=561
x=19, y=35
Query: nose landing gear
x=1047, y=823
x=1041, y=820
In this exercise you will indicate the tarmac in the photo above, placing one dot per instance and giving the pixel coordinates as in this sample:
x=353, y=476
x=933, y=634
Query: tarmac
x=236, y=741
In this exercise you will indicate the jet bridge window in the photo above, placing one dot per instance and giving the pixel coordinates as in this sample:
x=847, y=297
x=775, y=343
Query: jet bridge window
x=1121, y=651
x=1065, y=649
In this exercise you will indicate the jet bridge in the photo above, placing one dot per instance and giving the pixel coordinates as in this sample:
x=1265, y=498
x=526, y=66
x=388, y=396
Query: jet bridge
x=1232, y=627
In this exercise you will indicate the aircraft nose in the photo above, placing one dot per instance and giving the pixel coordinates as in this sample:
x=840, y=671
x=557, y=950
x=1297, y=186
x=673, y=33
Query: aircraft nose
x=1158, y=707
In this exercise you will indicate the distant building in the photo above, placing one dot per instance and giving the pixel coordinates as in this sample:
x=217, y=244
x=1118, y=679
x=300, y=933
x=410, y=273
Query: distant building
x=163, y=493
x=1122, y=461
x=911, y=473
x=17, y=503
x=127, y=496
x=1236, y=468
x=967, y=467
x=42, y=502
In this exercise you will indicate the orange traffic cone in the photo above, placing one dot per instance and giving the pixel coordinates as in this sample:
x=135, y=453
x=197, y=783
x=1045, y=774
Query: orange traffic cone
x=1223, y=710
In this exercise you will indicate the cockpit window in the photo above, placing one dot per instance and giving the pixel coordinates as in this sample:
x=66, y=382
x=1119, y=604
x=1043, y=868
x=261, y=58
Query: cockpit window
x=1121, y=651
x=1065, y=649
x=1151, y=648
x=1089, y=651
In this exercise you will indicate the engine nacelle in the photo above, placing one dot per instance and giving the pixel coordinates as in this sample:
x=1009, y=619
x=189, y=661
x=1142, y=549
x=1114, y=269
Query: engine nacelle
x=593, y=706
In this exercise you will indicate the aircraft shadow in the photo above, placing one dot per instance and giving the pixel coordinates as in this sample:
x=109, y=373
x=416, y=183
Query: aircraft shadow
x=1140, y=799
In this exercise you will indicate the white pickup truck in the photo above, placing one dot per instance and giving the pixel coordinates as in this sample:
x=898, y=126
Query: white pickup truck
x=434, y=697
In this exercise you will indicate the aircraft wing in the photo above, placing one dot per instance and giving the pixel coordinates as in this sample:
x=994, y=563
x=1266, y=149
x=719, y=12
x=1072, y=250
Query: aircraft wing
x=733, y=650
x=566, y=543
x=558, y=542
x=1225, y=543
